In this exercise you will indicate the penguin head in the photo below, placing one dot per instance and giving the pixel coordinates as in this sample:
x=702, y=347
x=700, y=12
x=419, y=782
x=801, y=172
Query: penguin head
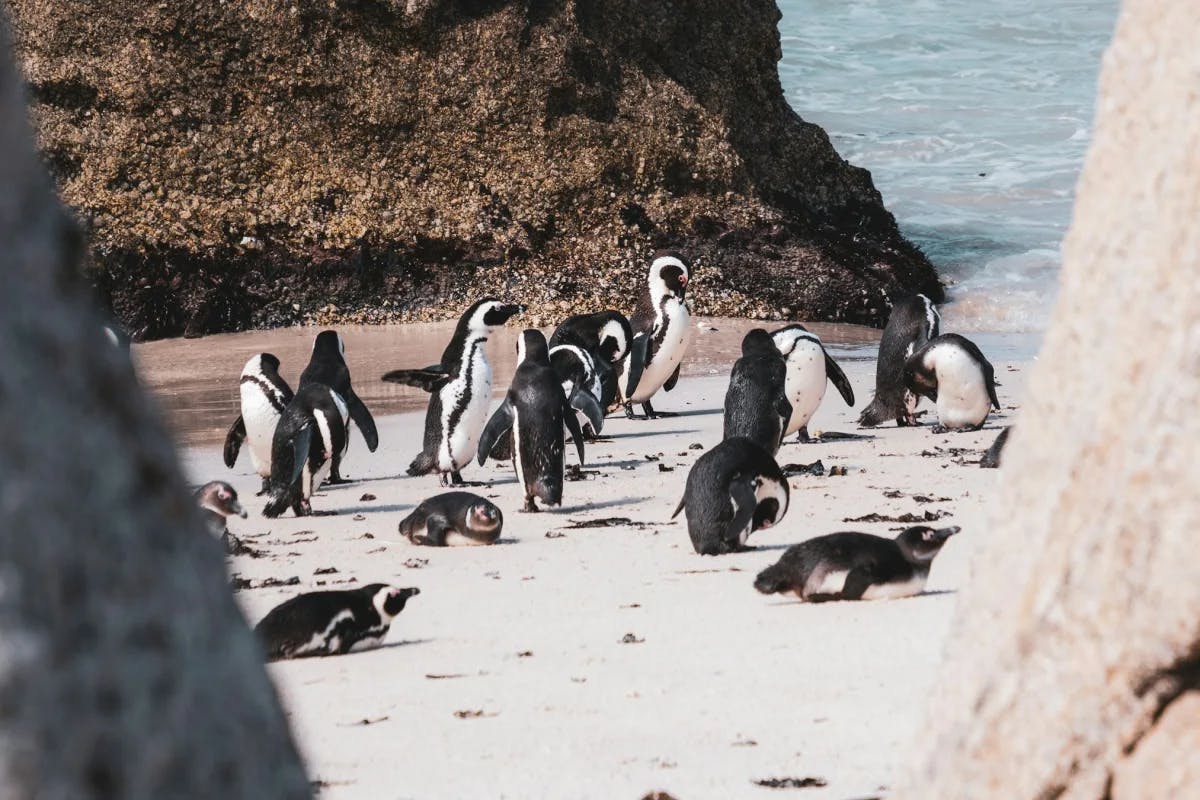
x=921, y=377
x=614, y=338
x=786, y=338
x=532, y=348
x=757, y=343
x=484, y=516
x=489, y=313
x=220, y=498
x=921, y=543
x=669, y=273
x=261, y=364
x=389, y=600
x=329, y=343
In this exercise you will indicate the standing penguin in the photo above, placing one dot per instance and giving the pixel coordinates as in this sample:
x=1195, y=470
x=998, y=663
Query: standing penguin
x=733, y=490
x=264, y=395
x=809, y=368
x=310, y=433
x=576, y=369
x=606, y=336
x=460, y=388
x=331, y=623
x=328, y=366
x=856, y=566
x=951, y=371
x=662, y=331
x=756, y=405
x=536, y=410
x=913, y=322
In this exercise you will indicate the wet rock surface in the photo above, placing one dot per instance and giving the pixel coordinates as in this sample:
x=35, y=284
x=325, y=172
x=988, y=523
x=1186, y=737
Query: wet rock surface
x=257, y=164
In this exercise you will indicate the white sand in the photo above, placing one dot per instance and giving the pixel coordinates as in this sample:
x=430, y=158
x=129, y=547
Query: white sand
x=728, y=686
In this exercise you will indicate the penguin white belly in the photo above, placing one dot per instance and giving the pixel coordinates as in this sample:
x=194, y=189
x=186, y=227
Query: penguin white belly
x=456, y=539
x=516, y=448
x=670, y=353
x=459, y=443
x=260, y=418
x=892, y=591
x=805, y=384
x=831, y=582
x=962, y=397
x=368, y=642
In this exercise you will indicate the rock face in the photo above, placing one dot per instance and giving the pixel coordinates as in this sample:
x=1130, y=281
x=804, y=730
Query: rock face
x=1075, y=656
x=246, y=164
x=126, y=669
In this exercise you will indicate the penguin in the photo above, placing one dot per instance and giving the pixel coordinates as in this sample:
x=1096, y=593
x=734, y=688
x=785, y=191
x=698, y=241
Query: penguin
x=951, y=371
x=991, y=459
x=606, y=336
x=460, y=388
x=581, y=383
x=535, y=409
x=662, y=331
x=117, y=337
x=331, y=623
x=809, y=368
x=756, y=404
x=453, y=518
x=328, y=366
x=218, y=501
x=913, y=321
x=733, y=490
x=310, y=433
x=856, y=566
x=264, y=395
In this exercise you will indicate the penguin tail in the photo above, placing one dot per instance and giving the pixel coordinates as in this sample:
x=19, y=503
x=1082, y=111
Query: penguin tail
x=277, y=502
x=423, y=464
x=875, y=414
x=548, y=490
x=771, y=581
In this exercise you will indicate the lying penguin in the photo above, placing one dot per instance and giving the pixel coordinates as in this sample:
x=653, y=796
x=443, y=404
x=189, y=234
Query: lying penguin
x=913, y=321
x=535, y=410
x=218, y=502
x=809, y=371
x=756, y=405
x=453, y=518
x=310, y=433
x=951, y=371
x=264, y=396
x=733, y=490
x=856, y=566
x=331, y=623
x=328, y=366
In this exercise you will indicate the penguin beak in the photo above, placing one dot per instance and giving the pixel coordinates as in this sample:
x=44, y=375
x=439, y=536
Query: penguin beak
x=942, y=534
x=240, y=510
x=511, y=310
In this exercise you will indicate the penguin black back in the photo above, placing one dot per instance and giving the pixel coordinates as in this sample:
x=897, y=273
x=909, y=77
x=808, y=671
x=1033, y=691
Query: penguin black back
x=756, y=404
x=913, y=321
x=303, y=446
x=328, y=366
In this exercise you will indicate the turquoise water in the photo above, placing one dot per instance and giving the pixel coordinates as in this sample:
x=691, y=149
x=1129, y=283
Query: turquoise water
x=972, y=116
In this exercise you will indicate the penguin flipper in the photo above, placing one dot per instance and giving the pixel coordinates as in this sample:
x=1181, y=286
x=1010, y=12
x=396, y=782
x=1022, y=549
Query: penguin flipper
x=363, y=419
x=233, y=441
x=498, y=425
x=783, y=407
x=301, y=443
x=572, y=423
x=639, y=351
x=833, y=372
x=674, y=379
x=741, y=491
x=989, y=378
x=583, y=401
x=435, y=531
x=679, y=507
x=430, y=378
x=857, y=582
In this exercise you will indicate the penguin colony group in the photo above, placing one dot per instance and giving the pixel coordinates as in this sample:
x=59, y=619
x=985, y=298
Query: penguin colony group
x=561, y=390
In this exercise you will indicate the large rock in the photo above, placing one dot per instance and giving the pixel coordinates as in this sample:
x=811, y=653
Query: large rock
x=126, y=669
x=235, y=158
x=1077, y=642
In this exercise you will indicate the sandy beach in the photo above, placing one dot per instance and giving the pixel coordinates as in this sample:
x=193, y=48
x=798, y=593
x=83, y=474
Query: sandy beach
x=611, y=662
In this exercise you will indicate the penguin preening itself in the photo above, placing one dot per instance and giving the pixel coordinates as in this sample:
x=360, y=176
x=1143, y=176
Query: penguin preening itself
x=606, y=336
x=331, y=623
x=951, y=371
x=460, y=388
x=856, y=566
x=662, y=331
x=733, y=490
x=264, y=395
x=453, y=518
x=310, y=433
x=756, y=404
x=913, y=321
x=535, y=409
x=327, y=366
x=809, y=369
x=578, y=372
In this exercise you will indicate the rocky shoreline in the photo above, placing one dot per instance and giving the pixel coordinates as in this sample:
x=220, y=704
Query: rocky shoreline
x=378, y=161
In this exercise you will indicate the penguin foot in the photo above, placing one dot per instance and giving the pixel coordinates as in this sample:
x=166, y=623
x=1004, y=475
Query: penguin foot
x=652, y=414
x=629, y=412
x=456, y=479
x=803, y=438
x=266, y=487
x=530, y=506
x=335, y=480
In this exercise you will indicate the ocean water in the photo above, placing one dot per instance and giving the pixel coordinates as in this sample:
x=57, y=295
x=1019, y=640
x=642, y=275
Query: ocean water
x=973, y=117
